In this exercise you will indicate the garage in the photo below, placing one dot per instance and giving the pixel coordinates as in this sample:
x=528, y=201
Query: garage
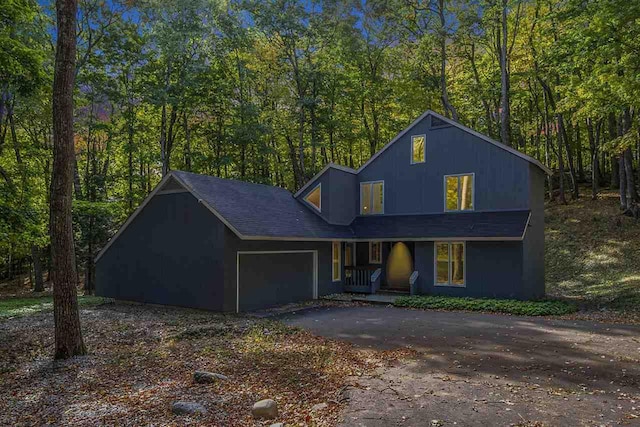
x=270, y=278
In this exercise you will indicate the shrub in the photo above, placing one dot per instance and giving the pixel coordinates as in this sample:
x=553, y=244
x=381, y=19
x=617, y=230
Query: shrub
x=509, y=306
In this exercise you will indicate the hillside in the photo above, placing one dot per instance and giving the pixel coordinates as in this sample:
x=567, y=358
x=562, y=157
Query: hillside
x=593, y=254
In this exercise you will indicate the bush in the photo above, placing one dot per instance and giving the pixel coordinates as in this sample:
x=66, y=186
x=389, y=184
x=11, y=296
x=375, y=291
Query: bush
x=509, y=306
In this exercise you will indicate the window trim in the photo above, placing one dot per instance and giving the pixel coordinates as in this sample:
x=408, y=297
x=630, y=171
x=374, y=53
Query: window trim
x=335, y=244
x=435, y=264
x=384, y=197
x=318, y=208
x=371, y=260
x=424, y=150
x=473, y=191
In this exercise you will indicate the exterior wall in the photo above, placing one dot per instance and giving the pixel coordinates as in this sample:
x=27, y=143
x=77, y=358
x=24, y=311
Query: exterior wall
x=501, y=178
x=233, y=244
x=493, y=270
x=533, y=244
x=171, y=253
x=339, y=196
x=287, y=276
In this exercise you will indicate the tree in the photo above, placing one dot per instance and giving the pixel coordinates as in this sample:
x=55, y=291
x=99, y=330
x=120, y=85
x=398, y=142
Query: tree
x=68, y=334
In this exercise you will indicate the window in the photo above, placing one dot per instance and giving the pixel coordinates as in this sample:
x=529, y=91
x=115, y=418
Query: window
x=417, y=148
x=459, y=192
x=314, y=197
x=450, y=263
x=375, y=252
x=371, y=198
x=335, y=265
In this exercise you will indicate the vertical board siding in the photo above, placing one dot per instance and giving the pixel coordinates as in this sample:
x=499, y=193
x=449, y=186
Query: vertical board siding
x=493, y=270
x=501, y=178
x=339, y=196
x=171, y=253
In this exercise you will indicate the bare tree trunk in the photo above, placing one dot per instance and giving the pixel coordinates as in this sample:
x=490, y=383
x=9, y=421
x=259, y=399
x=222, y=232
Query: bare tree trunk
x=595, y=167
x=68, y=335
x=449, y=109
x=624, y=203
x=37, y=269
x=505, y=113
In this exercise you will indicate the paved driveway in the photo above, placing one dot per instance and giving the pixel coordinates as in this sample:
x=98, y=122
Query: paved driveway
x=482, y=369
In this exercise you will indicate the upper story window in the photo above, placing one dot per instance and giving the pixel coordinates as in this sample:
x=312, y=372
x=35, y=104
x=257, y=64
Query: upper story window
x=459, y=192
x=314, y=197
x=418, y=148
x=372, y=197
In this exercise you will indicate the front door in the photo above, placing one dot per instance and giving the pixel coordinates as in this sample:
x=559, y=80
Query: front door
x=399, y=267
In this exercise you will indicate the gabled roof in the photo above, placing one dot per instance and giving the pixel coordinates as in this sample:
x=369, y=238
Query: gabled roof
x=251, y=211
x=319, y=174
x=257, y=211
x=462, y=127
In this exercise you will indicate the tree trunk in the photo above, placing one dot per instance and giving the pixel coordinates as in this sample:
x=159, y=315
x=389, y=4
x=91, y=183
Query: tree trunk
x=624, y=203
x=68, y=335
x=505, y=113
x=449, y=109
x=595, y=167
x=37, y=269
x=581, y=177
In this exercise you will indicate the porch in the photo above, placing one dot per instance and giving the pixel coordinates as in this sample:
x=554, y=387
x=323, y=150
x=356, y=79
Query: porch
x=373, y=267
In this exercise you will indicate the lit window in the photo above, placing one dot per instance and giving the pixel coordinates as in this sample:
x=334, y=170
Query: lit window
x=335, y=265
x=314, y=197
x=372, y=198
x=417, y=148
x=450, y=263
x=375, y=252
x=459, y=192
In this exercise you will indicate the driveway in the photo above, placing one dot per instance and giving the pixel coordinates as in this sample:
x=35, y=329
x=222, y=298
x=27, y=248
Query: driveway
x=483, y=369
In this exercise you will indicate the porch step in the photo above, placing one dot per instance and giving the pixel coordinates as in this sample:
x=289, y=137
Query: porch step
x=391, y=291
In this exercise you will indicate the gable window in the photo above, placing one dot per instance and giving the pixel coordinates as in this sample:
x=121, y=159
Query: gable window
x=375, y=252
x=372, y=197
x=418, y=148
x=336, y=262
x=314, y=197
x=458, y=192
x=450, y=263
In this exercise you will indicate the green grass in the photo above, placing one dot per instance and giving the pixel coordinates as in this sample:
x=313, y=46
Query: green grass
x=15, y=307
x=525, y=308
x=592, y=254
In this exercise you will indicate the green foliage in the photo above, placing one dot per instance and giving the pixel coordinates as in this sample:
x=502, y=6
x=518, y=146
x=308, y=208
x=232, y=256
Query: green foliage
x=507, y=306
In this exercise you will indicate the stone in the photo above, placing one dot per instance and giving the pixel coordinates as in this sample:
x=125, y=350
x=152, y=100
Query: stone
x=204, y=377
x=277, y=425
x=187, y=408
x=267, y=408
x=319, y=407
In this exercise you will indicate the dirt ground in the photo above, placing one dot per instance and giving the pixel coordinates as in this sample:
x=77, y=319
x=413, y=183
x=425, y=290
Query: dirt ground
x=142, y=359
x=483, y=369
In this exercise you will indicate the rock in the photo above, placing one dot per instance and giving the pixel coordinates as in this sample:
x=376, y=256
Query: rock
x=267, y=408
x=277, y=425
x=203, y=377
x=319, y=407
x=187, y=408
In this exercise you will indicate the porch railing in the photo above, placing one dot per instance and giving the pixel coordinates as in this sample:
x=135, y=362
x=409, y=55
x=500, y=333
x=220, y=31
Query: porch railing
x=413, y=283
x=364, y=279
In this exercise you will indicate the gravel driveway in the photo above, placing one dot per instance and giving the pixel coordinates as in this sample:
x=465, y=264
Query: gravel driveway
x=484, y=369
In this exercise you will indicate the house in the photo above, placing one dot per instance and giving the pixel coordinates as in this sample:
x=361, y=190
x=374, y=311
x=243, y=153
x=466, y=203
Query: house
x=441, y=209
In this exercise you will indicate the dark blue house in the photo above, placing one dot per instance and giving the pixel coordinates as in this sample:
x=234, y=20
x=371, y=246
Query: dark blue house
x=441, y=209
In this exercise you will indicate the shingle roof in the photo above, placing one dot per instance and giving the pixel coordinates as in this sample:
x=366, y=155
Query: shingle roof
x=468, y=225
x=257, y=210
x=263, y=211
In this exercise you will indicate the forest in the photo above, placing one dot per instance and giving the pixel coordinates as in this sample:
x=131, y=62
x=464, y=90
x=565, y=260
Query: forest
x=271, y=91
